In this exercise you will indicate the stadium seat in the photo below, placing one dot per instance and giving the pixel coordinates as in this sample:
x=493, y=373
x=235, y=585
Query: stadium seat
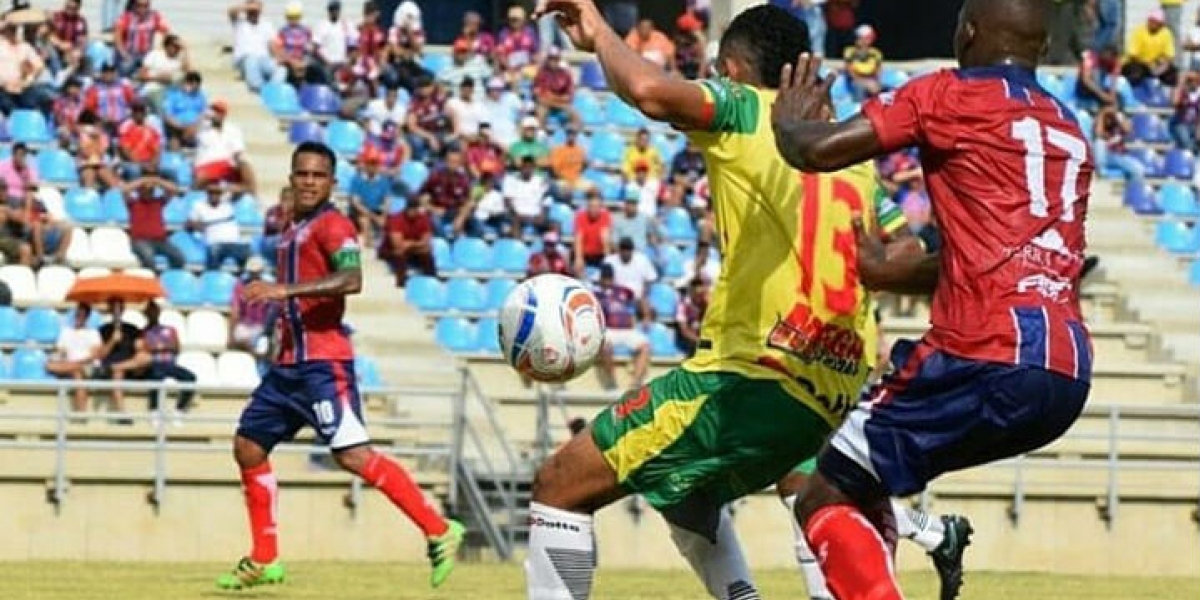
x=79, y=253
x=670, y=261
x=442, y=257
x=206, y=330
x=456, y=335
x=111, y=246
x=201, y=364
x=1050, y=82
x=608, y=147
x=183, y=289
x=237, y=369
x=99, y=53
x=497, y=291
x=83, y=206
x=248, y=212
x=176, y=211
x=192, y=248
x=511, y=255
x=591, y=75
x=134, y=317
x=29, y=126
x=1179, y=164
x=590, y=110
x=87, y=272
x=667, y=146
x=487, y=335
x=623, y=115
x=677, y=225
x=1194, y=273
x=53, y=282
x=367, y=373
x=1176, y=236
x=891, y=78
x=472, y=254
x=345, y=137
x=305, y=131
x=174, y=165
x=425, y=293
x=1178, y=200
x=1148, y=128
x=42, y=325
x=52, y=199
x=413, y=174
x=563, y=215
x=216, y=288
x=113, y=207
x=12, y=325
x=663, y=299
x=5, y=370
x=57, y=167
x=1151, y=93
x=320, y=100
x=466, y=294
x=29, y=364
x=1142, y=200
x=281, y=99
x=140, y=272
x=345, y=175
x=845, y=110
x=436, y=62
x=1150, y=159
x=662, y=341
x=21, y=283
x=173, y=318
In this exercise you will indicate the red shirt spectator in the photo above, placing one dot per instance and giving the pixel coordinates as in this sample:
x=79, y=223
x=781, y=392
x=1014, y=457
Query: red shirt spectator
x=146, y=214
x=109, y=97
x=553, y=78
x=592, y=227
x=275, y=221
x=138, y=140
x=482, y=42
x=67, y=107
x=372, y=39
x=69, y=26
x=294, y=40
x=429, y=110
x=409, y=224
x=450, y=186
x=135, y=29
x=484, y=155
x=550, y=259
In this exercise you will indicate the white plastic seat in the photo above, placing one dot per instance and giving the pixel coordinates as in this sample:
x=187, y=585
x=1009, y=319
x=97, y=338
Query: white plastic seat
x=139, y=272
x=52, y=199
x=175, y=319
x=111, y=246
x=201, y=364
x=89, y=272
x=53, y=283
x=134, y=317
x=207, y=330
x=235, y=368
x=21, y=283
x=79, y=253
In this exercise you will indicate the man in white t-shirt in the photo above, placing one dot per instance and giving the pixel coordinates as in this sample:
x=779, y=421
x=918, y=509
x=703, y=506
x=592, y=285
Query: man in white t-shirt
x=501, y=109
x=78, y=346
x=163, y=67
x=465, y=111
x=221, y=152
x=385, y=109
x=525, y=194
x=252, y=37
x=632, y=269
x=216, y=222
x=331, y=38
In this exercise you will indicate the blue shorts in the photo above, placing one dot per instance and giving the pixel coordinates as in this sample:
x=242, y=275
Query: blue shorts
x=938, y=413
x=322, y=394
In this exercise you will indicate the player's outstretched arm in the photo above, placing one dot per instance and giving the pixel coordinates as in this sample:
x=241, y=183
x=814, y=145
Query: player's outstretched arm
x=901, y=266
x=803, y=134
x=641, y=83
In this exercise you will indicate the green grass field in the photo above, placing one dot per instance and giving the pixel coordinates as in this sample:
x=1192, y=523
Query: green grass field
x=381, y=581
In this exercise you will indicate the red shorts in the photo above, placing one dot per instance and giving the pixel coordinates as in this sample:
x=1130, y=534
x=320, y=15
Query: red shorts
x=218, y=171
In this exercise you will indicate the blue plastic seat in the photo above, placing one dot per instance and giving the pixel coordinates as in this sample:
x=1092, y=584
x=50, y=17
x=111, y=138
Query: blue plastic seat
x=42, y=325
x=623, y=115
x=12, y=325
x=99, y=53
x=1141, y=199
x=511, y=255
x=608, y=147
x=670, y=261
x=29, y=364
x=591, y=75
x=248, y=212
x=1050, y=82
x=114, y=207
x=29, y=126
x=663, y=299
x=1147, y=128
x=1175, y=236
x=367, y=372
x=1179, y=164
x=57, y=167
x=891, y=79
x=425, y=293
x=281, y=99
x=5, y=370
x=563, y=215
x=1194, y=273
x=413, y=174
x=846, y=109
x=193, y=250
x=436, y=62
x=498, y=290
x=345, y=137
x=305, y=131
x=1178, y=200
x=183, y=289
x=83, y=206
x=443, y=258
x=488, y=335
x=320, y=100
x=677, y=225
x=216, y=288
x=466, y=294
x=1149, y=159
x=456, y=335
x=667, y=146
x=472, y=254
x=590, y=110
x=662, y=341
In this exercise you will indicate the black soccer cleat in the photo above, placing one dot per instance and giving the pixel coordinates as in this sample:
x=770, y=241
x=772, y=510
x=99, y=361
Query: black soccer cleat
x=948, y=557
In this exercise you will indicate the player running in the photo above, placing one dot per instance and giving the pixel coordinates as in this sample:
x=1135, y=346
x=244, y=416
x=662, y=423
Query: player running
x=312, y=382
x=1006, y=364
x=782, y=350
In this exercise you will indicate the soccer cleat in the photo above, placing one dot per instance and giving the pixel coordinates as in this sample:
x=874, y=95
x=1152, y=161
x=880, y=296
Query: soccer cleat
x=248, y=574
x=443, y=550
x=948, y=556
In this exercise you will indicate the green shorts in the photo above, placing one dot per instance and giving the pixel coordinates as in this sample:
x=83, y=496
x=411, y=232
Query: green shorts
x=713, y=437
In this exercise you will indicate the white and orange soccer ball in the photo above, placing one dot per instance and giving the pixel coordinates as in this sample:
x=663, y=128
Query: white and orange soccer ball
x=551, y=328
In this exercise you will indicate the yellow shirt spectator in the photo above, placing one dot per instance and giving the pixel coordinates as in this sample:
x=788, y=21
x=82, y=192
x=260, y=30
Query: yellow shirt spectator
x=648, y=155
x=1148, y=47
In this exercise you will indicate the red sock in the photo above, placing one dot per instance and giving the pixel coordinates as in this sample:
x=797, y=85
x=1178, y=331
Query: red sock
x=261, y=491
x=852, y=554
x=391, y=479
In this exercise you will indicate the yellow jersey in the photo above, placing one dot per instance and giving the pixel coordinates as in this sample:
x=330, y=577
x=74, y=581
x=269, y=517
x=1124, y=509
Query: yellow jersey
x=787, y=305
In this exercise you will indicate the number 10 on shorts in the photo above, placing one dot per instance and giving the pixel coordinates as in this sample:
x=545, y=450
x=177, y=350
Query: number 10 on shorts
x=323, y=409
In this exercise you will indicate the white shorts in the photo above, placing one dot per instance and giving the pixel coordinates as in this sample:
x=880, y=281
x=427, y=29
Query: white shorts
x=630, y=339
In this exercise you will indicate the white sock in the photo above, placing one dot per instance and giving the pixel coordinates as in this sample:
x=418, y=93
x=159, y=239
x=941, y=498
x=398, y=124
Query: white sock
x=721, y=566
x=924, y=529
x=561, y=556
x=814, y=579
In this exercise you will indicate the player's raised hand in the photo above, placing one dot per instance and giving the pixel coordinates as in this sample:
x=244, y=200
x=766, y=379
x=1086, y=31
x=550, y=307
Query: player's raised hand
x=262, y=291
x=803, y=93
x=579, y=19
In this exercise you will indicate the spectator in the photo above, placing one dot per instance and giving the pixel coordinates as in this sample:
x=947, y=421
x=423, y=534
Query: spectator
x=110, y=98
x=253, y=38
x=529, y=146
x=69, y=31
x=1108, y=23
x=13, y=248
x=687, y=169
x=92, y=153
x=447, y=193
x=27, y=216
x=489, y=209
x=19, y=175
x=409, y=242
x=214, y=220
x=427, y=124
x=500, y=109
x=914, y=203
x=159, y=352
x=1111, y=131
x=632, y=269
x=20, y=68
x=138, y=143
x=134, y=35
x=1151, y=52
x=484, y=155
x=517, y=45
x=293, y=46
x=408, y=13
x=554, y=90
x=567, y=162
x=482, y=43
x=372, y=39
x=864, y=62
x=1173, y=11
x=331, y=37
x=689, y=315
x=1099, y=79
x=593, y=227
x=66, y=110
x=690, y=58
x=249, y=322
x=642, y=152
x=392, y=152
x=466, y=65
x=183, y=111
x=551, y=259
x=465, y=111
x=355, y=80
x=402, y=69
x=525, y=196
x=630, y=224
x=652, y=44
x=77, y=347
x=619, y=305
x=146, y=197
x=221, y=152
x=277, y=219
x=369, y=196
x=645, y=188
x=1186, y=119
x=1191, y=46
x=385, y=109
x=118, y=354
x=700, y=266
x=163, y=67
x=407, y=34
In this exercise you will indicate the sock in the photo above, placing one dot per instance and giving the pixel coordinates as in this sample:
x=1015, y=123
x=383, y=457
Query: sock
x=561, y=558
x=390, y=478
x=814, y=580
x=853, y=556
x=262, y=491
x=721, y=566
x=922, y=528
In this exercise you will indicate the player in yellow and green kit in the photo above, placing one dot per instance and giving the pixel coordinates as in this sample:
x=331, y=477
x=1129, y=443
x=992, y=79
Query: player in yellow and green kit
x=785, y=346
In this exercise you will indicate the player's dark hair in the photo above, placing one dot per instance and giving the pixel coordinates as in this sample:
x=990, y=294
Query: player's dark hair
x=766, y=37
x=311, y=147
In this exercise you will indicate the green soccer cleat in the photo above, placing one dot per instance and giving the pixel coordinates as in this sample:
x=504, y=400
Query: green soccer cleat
x=443, y=550
x=948, y=557
x=248, y=574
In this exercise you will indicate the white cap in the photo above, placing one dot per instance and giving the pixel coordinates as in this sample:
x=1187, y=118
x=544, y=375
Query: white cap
x=528, y=122
x=255, y=264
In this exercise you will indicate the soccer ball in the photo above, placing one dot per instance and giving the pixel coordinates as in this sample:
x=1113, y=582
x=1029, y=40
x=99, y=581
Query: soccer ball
x=551, y=328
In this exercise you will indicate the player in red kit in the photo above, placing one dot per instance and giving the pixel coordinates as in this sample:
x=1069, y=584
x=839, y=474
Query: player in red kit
x=312, y=382
x=1005, y=367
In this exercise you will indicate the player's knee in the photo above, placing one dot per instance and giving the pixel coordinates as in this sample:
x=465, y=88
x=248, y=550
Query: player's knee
x=248, y=453
x=353, y=459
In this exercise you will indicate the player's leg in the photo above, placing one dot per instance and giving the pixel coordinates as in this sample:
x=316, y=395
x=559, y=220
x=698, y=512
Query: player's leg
x=789, y=489
x=719, y=563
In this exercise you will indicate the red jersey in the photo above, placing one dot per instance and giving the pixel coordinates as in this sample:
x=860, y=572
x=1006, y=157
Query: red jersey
x=1008, y=172
x=309, y=250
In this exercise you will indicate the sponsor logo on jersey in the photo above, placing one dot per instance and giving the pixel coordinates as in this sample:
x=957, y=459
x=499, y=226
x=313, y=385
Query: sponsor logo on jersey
x=1049, y=286
x=812, y=340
